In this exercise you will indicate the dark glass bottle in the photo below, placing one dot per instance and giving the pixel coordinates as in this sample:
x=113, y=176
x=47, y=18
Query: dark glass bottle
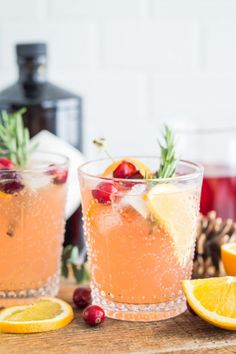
x=48, y=107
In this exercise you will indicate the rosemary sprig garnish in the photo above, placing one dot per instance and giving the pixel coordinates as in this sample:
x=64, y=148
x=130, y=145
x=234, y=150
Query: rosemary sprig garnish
x=14, y=138
x=168, y=155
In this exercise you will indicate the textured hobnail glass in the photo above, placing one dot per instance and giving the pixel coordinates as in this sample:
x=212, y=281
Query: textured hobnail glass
x=32, y=230
x=138, y=257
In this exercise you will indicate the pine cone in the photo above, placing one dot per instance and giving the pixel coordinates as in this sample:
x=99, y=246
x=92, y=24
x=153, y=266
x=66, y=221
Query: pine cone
x=212, y=233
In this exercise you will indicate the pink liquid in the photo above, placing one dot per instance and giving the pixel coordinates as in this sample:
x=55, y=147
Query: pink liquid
x=219, y=194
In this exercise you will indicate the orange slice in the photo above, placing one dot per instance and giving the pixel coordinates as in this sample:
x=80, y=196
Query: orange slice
x=44, y=315
x=228, y=256
x=213, y=299
x=175, y=213
x=5, y=195
x=144, y=170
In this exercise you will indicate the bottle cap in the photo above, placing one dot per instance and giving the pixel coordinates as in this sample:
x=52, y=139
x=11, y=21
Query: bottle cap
x=30, y=50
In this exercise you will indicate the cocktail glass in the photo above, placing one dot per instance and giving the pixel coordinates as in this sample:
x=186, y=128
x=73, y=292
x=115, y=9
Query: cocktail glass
x=32, y=203
x=141, y=243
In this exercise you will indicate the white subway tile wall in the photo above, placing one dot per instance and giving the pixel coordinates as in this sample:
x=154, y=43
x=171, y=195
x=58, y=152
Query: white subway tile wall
x=137, y=63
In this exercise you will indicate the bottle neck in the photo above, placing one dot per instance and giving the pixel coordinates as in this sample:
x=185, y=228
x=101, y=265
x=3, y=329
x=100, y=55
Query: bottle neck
x=32, y=71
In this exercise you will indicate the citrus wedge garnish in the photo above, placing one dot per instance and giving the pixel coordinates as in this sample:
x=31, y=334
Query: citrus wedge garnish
x=228, y=257
x=213, y=299
x=44, y=315
x=144, y=170
x=5, y=196
x=175, y=213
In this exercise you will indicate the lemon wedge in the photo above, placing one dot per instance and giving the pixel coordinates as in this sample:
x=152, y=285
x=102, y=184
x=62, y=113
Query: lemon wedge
x=213, y=299
x=176, y=213
x=44, y=315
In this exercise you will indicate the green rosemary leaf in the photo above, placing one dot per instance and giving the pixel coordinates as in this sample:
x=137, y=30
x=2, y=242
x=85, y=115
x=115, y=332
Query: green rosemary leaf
x=14, y=138
x=168, y=155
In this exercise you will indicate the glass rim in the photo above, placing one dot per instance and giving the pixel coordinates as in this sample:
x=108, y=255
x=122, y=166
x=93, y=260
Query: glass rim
x=42, y=168
x=188, y=176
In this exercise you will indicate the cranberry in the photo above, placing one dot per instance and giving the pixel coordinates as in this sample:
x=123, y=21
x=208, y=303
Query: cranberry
x=59, y=176
x=93, y=315
x=10, y=182
x=103, y=192
x=5, y=163
x=82, y=297
x=124, y=170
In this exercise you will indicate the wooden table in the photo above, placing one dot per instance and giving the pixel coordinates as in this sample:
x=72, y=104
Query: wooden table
x=183, y=334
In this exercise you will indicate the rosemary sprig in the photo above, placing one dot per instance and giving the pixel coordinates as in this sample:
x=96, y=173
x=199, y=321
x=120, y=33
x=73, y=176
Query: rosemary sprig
x=14, y=138
x=70, y=259
x=168, y=155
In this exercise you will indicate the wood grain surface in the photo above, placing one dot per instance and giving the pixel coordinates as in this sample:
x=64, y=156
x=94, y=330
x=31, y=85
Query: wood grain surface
x=183, y=334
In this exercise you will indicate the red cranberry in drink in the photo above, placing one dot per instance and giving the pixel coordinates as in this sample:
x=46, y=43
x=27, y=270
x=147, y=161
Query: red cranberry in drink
x=93, y=315
x=124, y=170
x=82, y=297
x=10, y=182
x=6, y=163
x=103, y=192
x=128, y=185
x=59, y=176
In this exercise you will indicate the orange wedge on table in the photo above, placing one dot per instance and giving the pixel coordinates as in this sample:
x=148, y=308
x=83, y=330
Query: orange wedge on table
x=46, y=314
x=228, y=256
x=144, y=170
x=213, y=299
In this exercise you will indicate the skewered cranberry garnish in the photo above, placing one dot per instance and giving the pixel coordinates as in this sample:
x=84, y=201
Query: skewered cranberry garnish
x=103, y=192
x=93, y=315
x=10, y=182
x=124, y=170
x=6, y=163
x=82, y=297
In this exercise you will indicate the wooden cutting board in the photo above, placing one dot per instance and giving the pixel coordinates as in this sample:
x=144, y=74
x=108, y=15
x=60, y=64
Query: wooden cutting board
x=183, y=334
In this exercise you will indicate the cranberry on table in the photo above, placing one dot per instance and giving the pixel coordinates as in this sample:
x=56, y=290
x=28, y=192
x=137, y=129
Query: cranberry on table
x=103, y=192
x=124, y=170
x=93, y=315
x=6, y=163
x=82, y=297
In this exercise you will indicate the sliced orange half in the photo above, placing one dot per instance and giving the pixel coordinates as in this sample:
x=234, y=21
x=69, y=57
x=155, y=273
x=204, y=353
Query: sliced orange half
x=144, y=170
x=44, y=315
x=228, y=256
x=213, y=299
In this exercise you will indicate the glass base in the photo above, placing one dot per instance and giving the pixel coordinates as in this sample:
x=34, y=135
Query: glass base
x=142, y=312
x=25, y=296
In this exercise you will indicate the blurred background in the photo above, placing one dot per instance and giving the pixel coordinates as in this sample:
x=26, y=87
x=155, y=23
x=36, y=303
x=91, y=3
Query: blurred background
x=136, y=63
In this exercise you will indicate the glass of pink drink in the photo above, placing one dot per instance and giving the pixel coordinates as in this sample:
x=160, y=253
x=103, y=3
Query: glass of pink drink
x=32, y=203
x=140, y=236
